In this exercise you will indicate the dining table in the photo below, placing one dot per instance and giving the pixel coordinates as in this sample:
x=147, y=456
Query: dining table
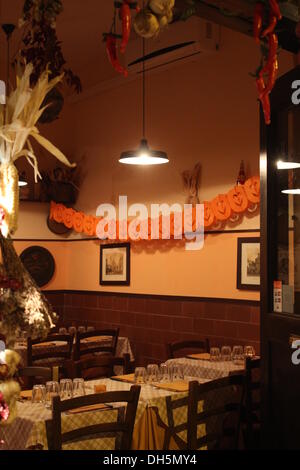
x=31, y=428
x=207, y=369
x=123, y=347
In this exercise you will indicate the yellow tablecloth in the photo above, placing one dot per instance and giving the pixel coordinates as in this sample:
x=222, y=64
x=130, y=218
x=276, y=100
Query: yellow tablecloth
x=30, y=430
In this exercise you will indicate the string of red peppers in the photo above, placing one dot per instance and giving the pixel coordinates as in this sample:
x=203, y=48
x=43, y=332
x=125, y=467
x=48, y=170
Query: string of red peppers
x=111, y=38
x=270, y=69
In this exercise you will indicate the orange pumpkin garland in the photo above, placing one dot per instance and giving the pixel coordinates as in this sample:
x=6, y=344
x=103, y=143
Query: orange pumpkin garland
x=252, y=189
x=68, y=217
x=221, y=207
x=238, y=200
x=209, y=216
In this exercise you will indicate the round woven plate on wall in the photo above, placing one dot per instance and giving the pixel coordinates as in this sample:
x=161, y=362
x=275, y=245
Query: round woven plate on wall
x=40, y=264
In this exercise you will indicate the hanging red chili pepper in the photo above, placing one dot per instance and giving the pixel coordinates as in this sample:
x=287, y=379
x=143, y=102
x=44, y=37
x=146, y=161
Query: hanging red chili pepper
x=258, y=21
x=271, y=66
x=111, y=48
x=125, y=14
x=274, y=7
x=271, y=27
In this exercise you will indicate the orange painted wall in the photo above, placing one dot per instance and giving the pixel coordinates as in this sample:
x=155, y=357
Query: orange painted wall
x=154, y=269
x=204, y=111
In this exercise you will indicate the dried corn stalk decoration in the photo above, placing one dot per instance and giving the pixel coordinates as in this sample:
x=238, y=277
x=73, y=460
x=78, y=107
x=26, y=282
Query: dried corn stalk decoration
x=18, y=121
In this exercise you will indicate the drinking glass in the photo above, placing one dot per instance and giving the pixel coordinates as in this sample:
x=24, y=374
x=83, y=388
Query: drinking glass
x=164, y=373
x=66, y=389
x=52, y=390
x=140, y=375
x=152, y=373
x=78, y=388
x=63, y=331
x=176, y=372
x=72, y=330
x=90, y=328
x=81, y=329
x=249, y=351
x=39, y=394
x=215, y=354
x=226, y=353
x=238, y=355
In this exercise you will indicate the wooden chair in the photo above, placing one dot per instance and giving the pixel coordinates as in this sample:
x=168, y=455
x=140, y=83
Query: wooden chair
x=222, y=402
x=34, y=375
x=82, y=349
x=251, y=414
x=182, y=348
x=121, y=429
x=50, y=356
x=97, y=367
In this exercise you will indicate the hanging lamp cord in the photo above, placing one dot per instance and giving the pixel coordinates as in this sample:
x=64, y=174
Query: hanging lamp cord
x=144, y=91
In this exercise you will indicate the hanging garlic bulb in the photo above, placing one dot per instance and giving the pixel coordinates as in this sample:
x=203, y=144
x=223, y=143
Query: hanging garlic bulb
x=146, y=24
x=162, y=7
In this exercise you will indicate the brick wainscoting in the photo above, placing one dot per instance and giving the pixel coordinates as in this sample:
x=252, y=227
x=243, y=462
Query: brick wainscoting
x=152, y=321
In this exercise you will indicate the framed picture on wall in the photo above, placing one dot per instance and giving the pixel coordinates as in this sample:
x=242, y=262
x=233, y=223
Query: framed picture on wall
x=248, y=264
x=115, y=264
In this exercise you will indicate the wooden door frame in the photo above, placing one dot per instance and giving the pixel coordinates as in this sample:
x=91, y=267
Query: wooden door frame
x=280, y=100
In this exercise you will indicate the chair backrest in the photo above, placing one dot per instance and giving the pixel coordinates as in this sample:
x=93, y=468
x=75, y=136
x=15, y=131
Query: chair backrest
x=252, y=397
x=212, y=405
x=33, y=375
x=123, y=427
x=184, y=347
x=39, y=353
x=97, y=366
x=108, y=345
x=222, y=405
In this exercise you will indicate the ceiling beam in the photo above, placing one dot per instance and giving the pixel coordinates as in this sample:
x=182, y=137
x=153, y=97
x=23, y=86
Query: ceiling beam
x=238, y=16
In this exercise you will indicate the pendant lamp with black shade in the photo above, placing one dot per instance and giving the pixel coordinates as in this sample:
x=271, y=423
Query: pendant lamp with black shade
x=144, y=156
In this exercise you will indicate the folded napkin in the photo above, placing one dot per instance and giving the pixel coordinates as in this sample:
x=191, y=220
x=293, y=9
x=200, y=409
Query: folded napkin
x=178, y=386
x=201, y=356
x=95, y=339
x=97, y=406
x=99, y=388
x=44, y=345
x=124, y=378
x=26, y=394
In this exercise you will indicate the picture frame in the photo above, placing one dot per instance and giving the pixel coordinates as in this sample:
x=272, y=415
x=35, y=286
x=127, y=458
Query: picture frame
x=115, y=264
x=248, y=263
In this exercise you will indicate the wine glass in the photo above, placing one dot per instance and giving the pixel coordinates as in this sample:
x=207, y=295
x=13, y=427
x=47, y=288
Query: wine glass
x=249, y=351
x=238, y=355
x=140, y=375
x=52, y=390
x=63, y=331
x=66, y=389
x=164, y=372
x=39, y=394
x=152, y=373
x=78, y=388
x=72, y=330
x=226, y=353
x=215, y=354
x=81, y=329
x=176, y=372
